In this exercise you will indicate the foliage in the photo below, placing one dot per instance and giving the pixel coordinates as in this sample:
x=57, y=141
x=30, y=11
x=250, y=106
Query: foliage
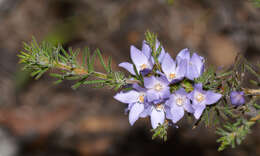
x=233, y=134
x=161, y=131
x=39, y=58
x=256, y=3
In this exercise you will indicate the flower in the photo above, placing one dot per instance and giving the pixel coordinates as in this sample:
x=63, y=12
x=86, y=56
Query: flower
x=157, y=112
x=237, y=98
x=157, y=88
x=136, y=100
x=157, y=115
x=173, y=73
x=201, y=98
x=178, y=102
x=141, y=59
x=195, y=64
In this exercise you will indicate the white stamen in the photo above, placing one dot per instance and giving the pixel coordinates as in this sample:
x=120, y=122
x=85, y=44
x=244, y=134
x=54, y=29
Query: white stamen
x=158, y=87
x=179, y=101
x=200, y=97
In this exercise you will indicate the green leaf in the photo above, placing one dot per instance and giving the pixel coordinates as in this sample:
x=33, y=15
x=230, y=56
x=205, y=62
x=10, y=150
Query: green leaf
x=35, y=73
x=102, y=61
x=161, y=131
x=73, y=77
x=92, y=61
x=94, y=81
x=76, y=86
x=58, y=82
x=56, y=75
x=256, y=106
x=249, y=68
x=85, y=59
x=88, y=60
x=41, y=73
x=109, y=64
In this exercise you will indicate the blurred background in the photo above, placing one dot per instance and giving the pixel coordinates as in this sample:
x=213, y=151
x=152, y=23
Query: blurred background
x=38, y=118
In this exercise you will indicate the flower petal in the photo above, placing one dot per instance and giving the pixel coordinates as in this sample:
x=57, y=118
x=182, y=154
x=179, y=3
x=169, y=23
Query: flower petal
x=146, y=112
x=188, y=107
x=212, y=97
x=181, y=91
x=127, y=97
x=191, y=95
x=198, y=110
x=177, y=113
x=135, y=112
x=170, y=101
x=128, y=66
x=152, y=95
x=138, y=57
x=198, y=62
x=146, y=49
x=165, y=93
x=168, y=64
x=157, y=117
x=149, y=82
x=145, y=71
x=138, y=88
x=183, y=54
x=198, y=86
x=163, y=80
x=192, y=72
x=181, y=69
x=237, y=98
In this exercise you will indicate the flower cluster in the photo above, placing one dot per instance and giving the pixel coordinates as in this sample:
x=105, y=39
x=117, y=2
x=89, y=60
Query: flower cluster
x=159, y=86
x=162, y=95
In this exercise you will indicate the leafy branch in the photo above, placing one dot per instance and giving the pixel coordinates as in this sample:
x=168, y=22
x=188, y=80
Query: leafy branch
x=40, y=58
x=65, y=65
x=161, y=131
x=234, y=134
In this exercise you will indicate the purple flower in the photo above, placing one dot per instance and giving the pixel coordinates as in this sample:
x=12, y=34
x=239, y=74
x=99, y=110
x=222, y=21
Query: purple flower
x=172, y=71
x=237, y=98
x=141, y=59
x=195, y=64
x=157, y=88
x=178, y=102
x=136, y=101
x=201, y=98
x=157, y=115
x=157, y=112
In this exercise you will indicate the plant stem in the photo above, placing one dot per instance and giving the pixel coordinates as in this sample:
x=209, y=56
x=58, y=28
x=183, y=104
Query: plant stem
x=82, y=71
x=255, y=92
x=254, y=119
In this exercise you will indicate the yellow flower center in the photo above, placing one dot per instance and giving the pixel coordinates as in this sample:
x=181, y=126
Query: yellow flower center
x=200, y=97
x=159, y=107
x=158, y=87
x=143, y=66
x=141, y=98
x=172, y=76
x=179, y=101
